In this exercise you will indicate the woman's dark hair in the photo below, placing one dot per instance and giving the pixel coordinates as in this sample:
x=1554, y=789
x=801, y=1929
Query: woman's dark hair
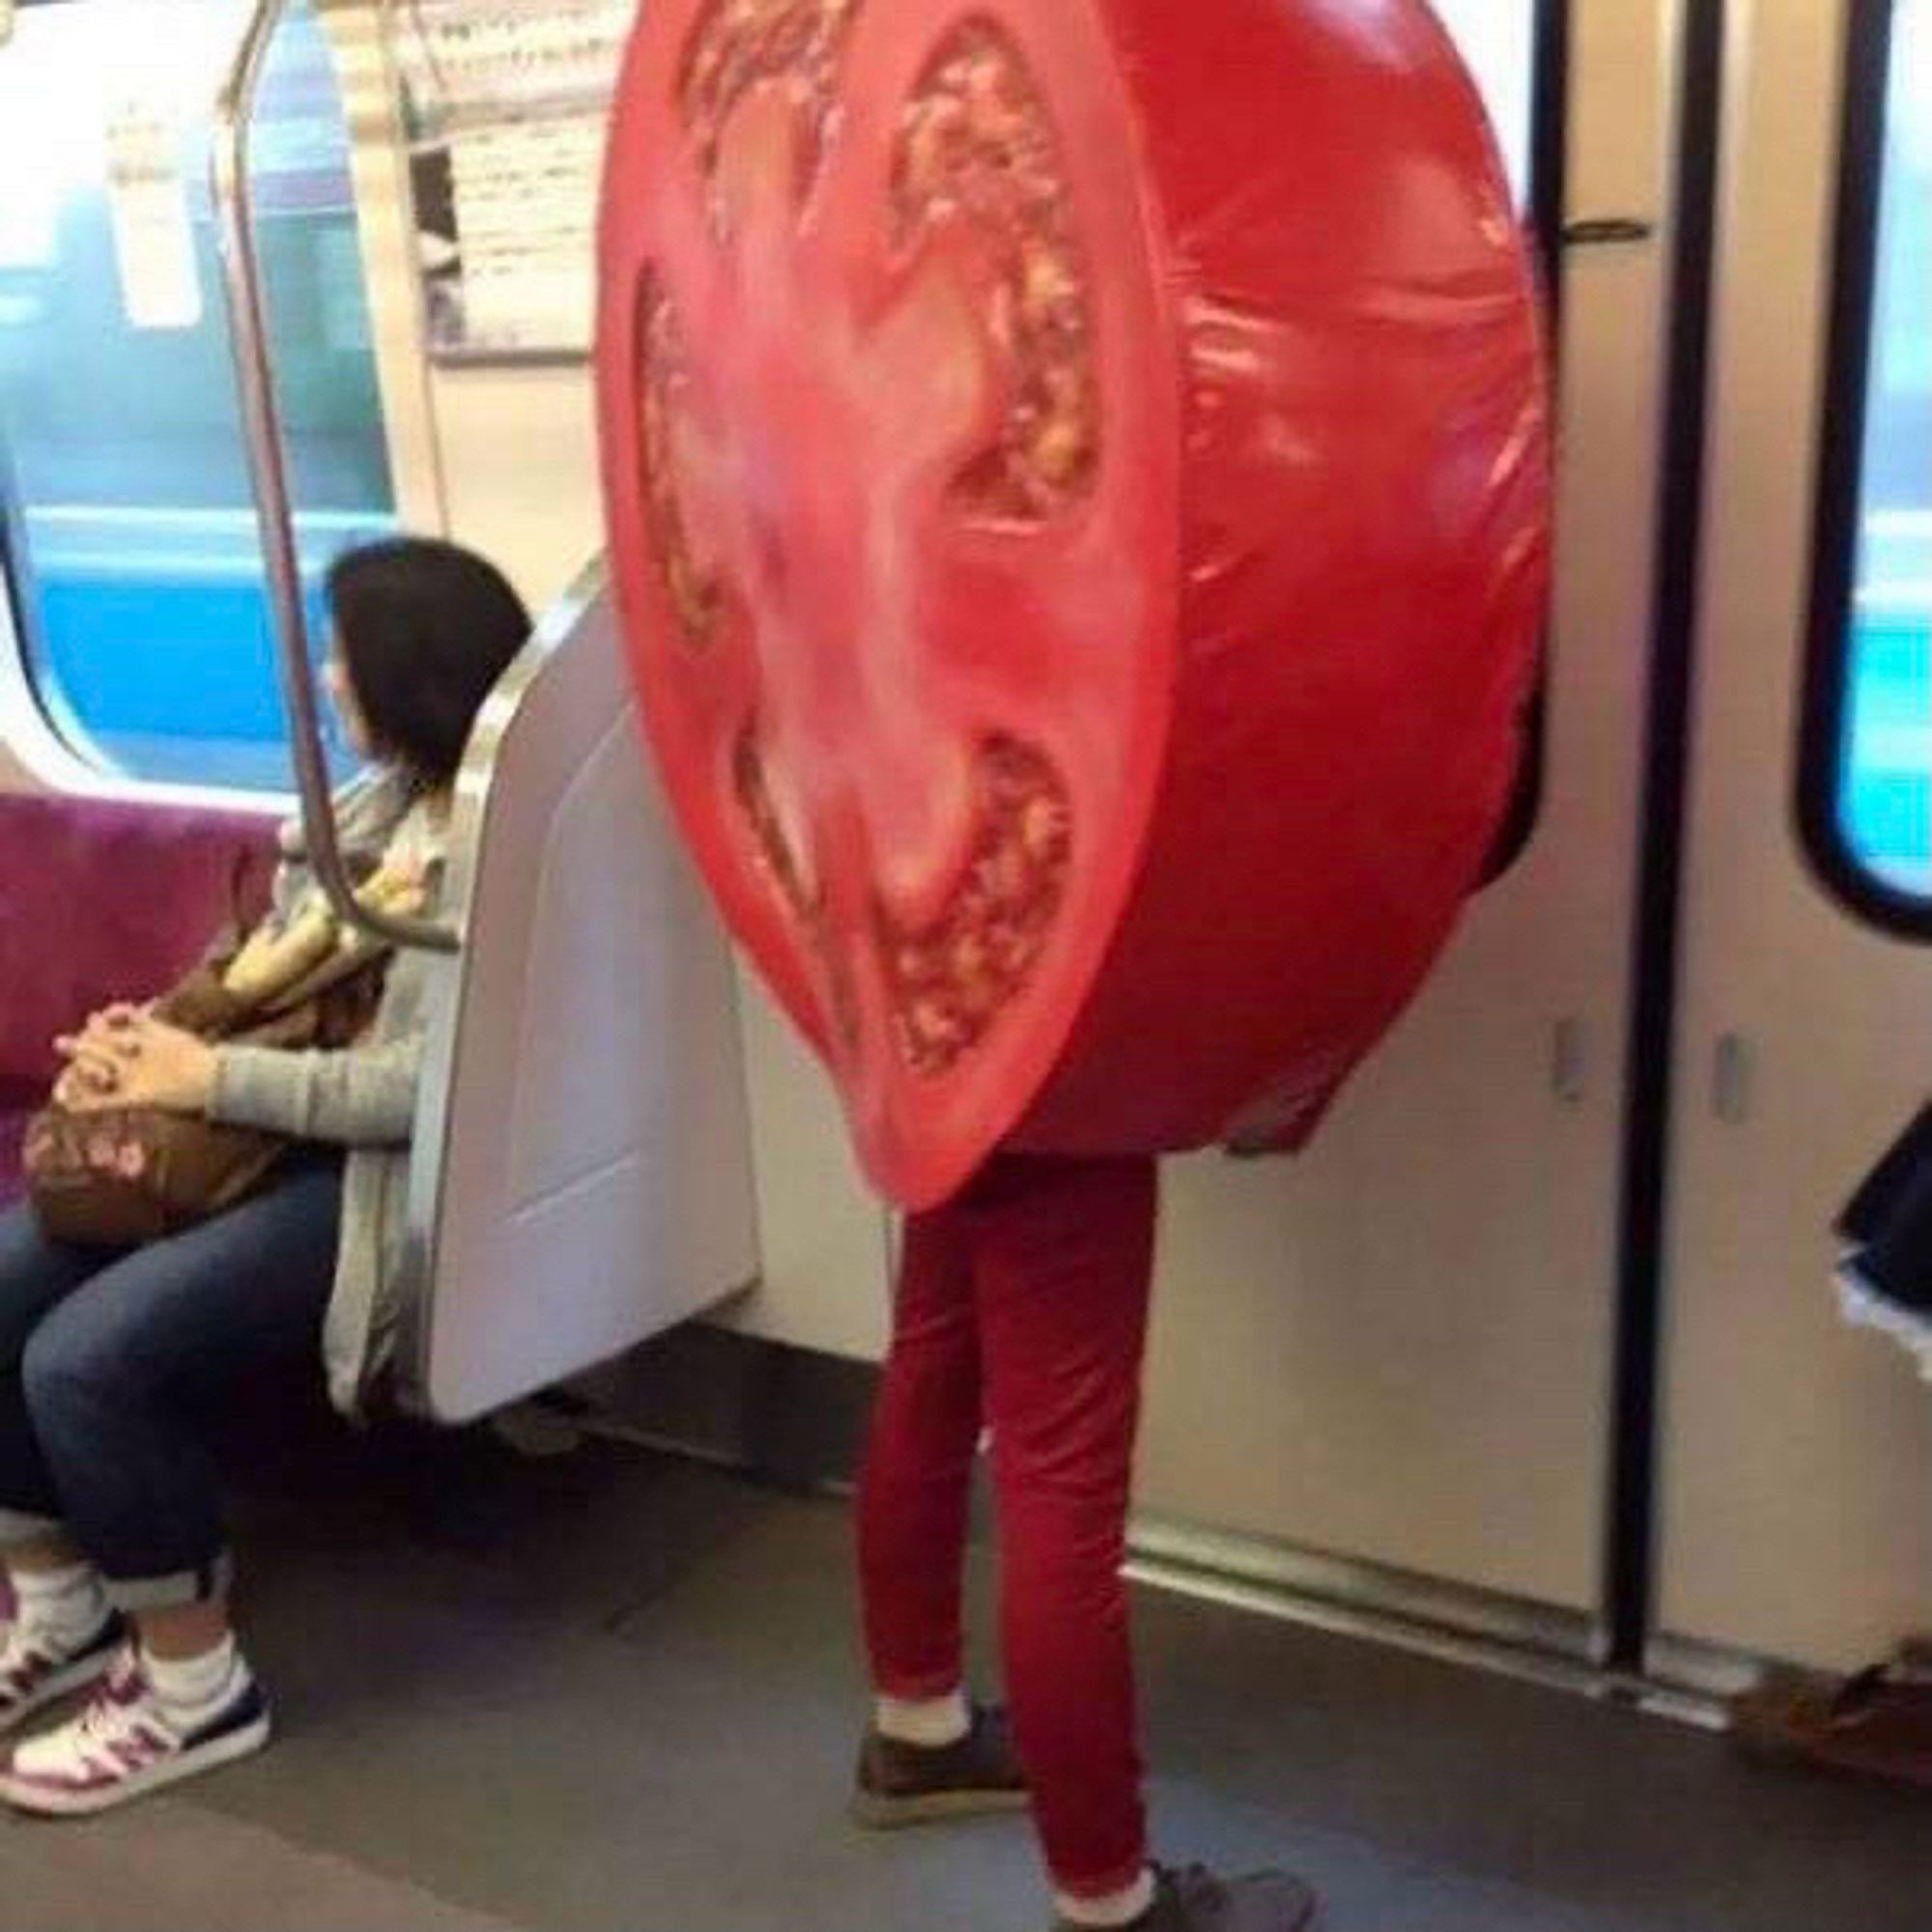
x=425, y=629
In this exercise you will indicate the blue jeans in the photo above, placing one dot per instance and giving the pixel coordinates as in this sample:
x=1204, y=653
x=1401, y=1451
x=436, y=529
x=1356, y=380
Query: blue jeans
x=108, y=1359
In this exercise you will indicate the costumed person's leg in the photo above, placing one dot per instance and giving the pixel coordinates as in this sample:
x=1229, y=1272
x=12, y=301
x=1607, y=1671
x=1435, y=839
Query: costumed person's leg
x=1065, y=1264
x=930, y=1754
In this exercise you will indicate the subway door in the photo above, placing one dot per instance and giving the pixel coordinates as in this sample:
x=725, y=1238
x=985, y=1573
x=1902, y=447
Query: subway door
x=1397, y=1350
x=1797, y=1454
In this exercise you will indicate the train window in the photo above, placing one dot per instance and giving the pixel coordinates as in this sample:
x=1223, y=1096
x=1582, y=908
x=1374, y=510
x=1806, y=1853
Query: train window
x=1866, y=800
x=135, y=566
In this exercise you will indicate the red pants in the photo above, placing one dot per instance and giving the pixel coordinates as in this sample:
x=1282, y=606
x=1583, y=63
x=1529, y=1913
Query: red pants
x=1023, y=1306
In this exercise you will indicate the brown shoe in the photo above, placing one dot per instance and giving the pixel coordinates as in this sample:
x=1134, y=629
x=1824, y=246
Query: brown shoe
x=1195, y=1900
x=902, y=1784
x=1876, y=1724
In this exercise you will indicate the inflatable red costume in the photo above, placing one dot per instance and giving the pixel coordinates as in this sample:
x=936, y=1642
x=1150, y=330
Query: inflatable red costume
x=1077, y=476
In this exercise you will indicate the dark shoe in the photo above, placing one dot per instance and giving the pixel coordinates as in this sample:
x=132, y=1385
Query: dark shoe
x=1876, y=1724
x=1195, y=1900
x=903, y=1784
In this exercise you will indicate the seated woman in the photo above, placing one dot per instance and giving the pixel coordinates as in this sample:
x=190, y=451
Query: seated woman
x=110, y=1518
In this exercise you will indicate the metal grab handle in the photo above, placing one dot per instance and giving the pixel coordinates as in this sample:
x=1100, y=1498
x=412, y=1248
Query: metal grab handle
x=261, y=421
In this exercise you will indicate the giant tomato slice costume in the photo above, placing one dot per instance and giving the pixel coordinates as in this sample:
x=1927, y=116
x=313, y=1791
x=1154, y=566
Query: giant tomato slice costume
x=1077, y=478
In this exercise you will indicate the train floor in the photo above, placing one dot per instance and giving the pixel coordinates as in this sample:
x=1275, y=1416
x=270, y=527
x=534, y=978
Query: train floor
x=613, y=1693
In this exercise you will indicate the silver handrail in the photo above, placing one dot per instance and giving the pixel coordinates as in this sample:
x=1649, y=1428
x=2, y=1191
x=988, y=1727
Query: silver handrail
x=261, y=420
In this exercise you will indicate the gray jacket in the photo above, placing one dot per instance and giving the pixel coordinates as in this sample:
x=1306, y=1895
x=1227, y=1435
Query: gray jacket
x=363, y=1099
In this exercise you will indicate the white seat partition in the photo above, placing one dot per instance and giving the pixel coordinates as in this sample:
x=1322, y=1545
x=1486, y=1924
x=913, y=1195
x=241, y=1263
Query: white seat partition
x=580, y=1173
x=582, y=1177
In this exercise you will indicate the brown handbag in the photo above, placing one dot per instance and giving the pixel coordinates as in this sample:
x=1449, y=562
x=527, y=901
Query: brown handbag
x=125, y=1175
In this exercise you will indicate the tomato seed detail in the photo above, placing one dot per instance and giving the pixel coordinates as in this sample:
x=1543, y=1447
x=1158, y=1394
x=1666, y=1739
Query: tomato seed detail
x=949, y=982
x=739, y=43
x=695, y=593
x=780, y=864
x=976, y=144
x=785, y=874
x=736, y=46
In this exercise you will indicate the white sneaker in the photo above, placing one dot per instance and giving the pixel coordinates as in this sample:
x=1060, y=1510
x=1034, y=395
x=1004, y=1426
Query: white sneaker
x=125, y=1744
x=37, y=1669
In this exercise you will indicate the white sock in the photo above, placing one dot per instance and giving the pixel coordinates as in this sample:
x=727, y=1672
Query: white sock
x=930, y=1723
x=193, y=1690
x=65, y=1608
x=1121, y=1908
